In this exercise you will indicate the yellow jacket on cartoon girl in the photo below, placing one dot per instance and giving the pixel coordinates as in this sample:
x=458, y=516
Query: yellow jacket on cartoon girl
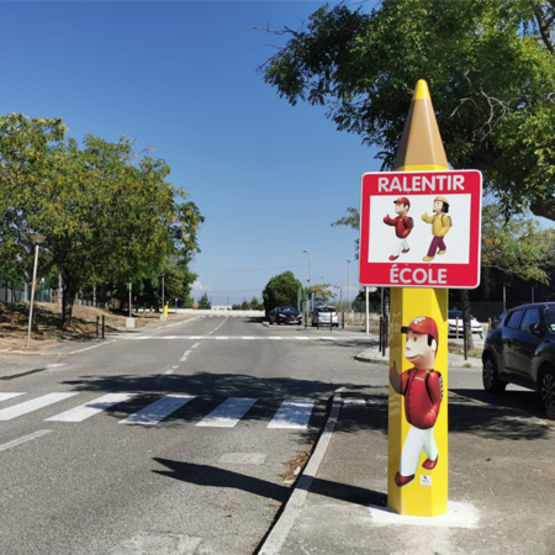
x=441, y=224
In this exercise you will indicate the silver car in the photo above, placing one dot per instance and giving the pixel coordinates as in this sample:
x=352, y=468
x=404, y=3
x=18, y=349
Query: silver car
x=325, y=315
x=455, y=323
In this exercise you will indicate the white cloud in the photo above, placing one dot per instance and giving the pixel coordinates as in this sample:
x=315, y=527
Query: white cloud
x=199, y=287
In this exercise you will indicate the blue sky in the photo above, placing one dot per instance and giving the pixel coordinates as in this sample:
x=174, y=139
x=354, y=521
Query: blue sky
x=183, y=78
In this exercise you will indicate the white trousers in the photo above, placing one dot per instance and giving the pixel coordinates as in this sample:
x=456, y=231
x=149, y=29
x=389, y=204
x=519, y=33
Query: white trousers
x=417, y=440
x=402, y=244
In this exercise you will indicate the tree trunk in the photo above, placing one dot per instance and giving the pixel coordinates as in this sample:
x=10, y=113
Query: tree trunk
x=465, y=300
x=68, y=296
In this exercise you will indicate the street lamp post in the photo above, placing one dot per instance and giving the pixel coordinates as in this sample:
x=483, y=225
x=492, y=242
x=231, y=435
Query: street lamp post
x=309, y=275
x=37, y=240
x=349, y=284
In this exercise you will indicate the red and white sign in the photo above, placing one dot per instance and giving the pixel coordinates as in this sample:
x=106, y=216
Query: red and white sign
x=421, y=229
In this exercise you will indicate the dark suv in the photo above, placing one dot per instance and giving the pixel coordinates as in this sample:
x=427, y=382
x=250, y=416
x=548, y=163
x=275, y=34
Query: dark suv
x=521, y=350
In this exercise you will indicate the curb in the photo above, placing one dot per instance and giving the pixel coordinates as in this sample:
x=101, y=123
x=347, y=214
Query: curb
x=273, y=542
x=377, y=359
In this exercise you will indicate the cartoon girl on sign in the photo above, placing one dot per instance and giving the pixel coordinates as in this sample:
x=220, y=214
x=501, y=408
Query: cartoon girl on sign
x=422, y=387
x=441, y=223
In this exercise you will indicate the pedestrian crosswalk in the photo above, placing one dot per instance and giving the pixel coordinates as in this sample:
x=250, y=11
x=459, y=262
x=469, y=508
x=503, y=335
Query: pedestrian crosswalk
x=292, y=414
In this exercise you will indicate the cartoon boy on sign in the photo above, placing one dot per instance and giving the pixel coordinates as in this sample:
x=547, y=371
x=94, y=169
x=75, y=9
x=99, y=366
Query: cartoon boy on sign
x=422, y=387
x=403, y=225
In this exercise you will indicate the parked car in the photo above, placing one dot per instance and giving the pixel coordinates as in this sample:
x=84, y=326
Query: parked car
x=455, y=317
x=284, y=315
x=497, y=320
x=324, y=315
x=521, y=350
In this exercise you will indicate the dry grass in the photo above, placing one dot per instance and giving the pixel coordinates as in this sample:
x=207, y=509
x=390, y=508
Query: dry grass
x=46, y=329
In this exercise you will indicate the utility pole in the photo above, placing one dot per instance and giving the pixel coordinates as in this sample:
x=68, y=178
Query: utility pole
x=349, y=283
x=309, y=277
x=37, y=240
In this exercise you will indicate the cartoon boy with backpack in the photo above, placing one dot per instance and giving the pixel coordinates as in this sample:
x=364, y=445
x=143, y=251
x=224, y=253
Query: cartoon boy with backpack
x=422, y=387
x=403, y=225
x=441, y=223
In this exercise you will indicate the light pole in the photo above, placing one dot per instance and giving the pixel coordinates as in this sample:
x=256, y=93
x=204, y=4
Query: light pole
x=309, y=275
x=37, y=240
x=349, y=284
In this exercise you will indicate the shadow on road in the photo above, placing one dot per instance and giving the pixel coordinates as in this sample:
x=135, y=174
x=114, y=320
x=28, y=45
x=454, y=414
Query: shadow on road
x=515, y=415
x=211, y=476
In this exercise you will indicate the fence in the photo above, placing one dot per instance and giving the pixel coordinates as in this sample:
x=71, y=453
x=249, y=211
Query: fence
x=17, y=293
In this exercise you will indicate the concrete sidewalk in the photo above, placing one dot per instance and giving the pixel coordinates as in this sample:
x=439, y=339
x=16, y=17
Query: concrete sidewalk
x=501, y=494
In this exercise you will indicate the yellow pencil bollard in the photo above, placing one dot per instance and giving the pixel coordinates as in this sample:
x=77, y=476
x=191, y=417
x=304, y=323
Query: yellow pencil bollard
x=417, y=449
x=419, y=259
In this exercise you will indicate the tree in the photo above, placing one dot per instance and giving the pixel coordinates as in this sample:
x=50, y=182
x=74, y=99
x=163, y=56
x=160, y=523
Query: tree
x=255, y=304
x=281, y=290
x=205, y=303
x=108, y=214
x=491, y=70
x=322, y=292
x=515, y=246
x=25, y=163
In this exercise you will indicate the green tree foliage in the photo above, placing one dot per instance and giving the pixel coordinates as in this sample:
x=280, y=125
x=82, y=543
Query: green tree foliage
x=108, y=214
x=515, y=246
x=322, y=292
x=491, y=70
x=281, y=290
x=205, y=303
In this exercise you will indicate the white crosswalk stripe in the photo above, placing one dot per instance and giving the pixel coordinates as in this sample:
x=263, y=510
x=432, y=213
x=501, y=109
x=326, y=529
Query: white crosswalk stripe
x=293, y=414
x=157, y=411
x=82, y=412
x=4, y=396
x=228, y=413
x=26, y=407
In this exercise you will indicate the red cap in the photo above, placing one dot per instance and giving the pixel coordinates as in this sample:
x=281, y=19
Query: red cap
x=424, y=325
x=402, y=200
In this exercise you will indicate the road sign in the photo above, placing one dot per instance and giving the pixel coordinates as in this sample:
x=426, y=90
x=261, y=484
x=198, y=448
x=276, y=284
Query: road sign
x=421, y=229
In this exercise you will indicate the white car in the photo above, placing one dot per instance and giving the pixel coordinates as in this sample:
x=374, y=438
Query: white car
x=324, y=315
x=455, y=317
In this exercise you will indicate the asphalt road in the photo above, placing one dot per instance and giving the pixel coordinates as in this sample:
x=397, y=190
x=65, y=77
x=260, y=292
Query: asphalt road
x=180, y=439
x=117, y=449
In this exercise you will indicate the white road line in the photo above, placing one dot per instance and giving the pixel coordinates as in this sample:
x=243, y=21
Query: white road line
x=293, y=414
x=6, y=396
x=23, y=439
x=354, y=402
x=82, y=412
x=228, y=413
x=156, y=412
x=195, y=345
x=243, y=338
x=218, y=326
x=32, y=405
x=185, y=355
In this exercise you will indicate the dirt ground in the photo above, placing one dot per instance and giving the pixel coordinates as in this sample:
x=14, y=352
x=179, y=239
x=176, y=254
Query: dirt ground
x=46, y=329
